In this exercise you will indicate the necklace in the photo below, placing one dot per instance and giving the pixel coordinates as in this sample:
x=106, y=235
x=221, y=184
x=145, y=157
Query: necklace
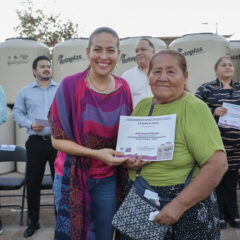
x=98, y=89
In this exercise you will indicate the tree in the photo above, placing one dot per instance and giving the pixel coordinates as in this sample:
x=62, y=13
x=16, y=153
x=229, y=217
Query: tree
x=48, y=29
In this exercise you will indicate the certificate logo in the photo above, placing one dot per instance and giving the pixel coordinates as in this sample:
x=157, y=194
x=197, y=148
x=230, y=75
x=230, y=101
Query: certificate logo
x=128, y=149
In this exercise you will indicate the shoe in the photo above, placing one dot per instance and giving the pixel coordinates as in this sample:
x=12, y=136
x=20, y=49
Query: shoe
x=235, y=223
x=31, y=230
x=1, y=230
x=223, y=224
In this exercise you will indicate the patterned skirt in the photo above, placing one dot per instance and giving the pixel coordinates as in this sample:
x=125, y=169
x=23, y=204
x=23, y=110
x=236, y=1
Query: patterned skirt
x=201, y=222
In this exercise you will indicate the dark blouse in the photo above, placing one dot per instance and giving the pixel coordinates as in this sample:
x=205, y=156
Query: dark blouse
x=214, y=94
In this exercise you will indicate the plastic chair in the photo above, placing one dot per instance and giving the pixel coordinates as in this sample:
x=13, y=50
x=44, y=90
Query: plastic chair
x=14, y=180
x=47, y=184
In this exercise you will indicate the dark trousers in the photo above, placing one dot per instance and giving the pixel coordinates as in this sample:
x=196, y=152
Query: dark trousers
x=227, y=196
x=39, y=151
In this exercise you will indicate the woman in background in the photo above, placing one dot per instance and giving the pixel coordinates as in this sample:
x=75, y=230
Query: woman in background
x=214, y=94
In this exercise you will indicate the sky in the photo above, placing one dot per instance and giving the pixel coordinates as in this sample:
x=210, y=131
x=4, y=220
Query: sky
x=156, y=18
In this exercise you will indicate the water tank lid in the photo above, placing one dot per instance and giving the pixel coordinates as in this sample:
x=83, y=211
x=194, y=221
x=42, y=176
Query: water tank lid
x=22, y=38
x=191, y=34
x=80, y=38
x=135, y=37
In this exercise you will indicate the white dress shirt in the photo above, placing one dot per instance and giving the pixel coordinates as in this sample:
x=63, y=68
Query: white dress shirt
x=138, y=83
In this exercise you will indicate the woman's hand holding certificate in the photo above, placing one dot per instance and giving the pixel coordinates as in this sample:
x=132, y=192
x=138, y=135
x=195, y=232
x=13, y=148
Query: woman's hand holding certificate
x=135, y=162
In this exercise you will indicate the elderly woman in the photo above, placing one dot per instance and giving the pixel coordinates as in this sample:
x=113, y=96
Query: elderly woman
x=214, y=93
x=192, y=212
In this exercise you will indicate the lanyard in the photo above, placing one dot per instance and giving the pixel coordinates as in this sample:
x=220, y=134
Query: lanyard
x=188, y=179
x=151, y=109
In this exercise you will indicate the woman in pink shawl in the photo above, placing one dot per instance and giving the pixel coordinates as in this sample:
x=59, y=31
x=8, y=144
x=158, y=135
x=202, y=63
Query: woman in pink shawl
x=84, y=119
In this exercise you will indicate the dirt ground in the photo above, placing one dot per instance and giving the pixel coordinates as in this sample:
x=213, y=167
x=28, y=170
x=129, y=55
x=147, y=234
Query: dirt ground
x=13, y=231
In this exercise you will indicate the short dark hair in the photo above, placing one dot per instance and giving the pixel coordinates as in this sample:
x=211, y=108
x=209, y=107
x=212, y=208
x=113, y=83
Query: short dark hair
x=149, y=42
x=35, y=62
x=103, y=30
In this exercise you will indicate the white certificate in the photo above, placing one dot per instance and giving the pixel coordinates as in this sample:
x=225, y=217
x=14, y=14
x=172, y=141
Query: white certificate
x=232, y=118
x=10, y=148
x=42, y=122
x=149, y=137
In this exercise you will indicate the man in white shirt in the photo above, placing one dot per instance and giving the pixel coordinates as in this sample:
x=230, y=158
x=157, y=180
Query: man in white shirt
x=137, y=76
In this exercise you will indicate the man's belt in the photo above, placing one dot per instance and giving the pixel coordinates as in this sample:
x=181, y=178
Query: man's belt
x=43, y=137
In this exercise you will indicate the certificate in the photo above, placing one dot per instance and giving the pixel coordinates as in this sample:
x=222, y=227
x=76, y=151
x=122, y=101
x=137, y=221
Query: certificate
x=151, y=137
x=10, y=148
x=42, y=122
x=232, y=118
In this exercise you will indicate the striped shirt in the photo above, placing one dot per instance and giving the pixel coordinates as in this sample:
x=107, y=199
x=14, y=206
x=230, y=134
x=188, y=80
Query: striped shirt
x=214, y=94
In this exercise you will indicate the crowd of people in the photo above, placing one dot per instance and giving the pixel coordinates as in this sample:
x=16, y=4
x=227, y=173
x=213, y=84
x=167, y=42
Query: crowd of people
x=91, y=177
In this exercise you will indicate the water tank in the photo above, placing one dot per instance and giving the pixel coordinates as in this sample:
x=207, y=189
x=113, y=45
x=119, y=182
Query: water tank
x=7, y=137
x=69, y=57
x=16, y=57
x=21, y=138
x=201, y=50
x=127, y=56
x=234, y=49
